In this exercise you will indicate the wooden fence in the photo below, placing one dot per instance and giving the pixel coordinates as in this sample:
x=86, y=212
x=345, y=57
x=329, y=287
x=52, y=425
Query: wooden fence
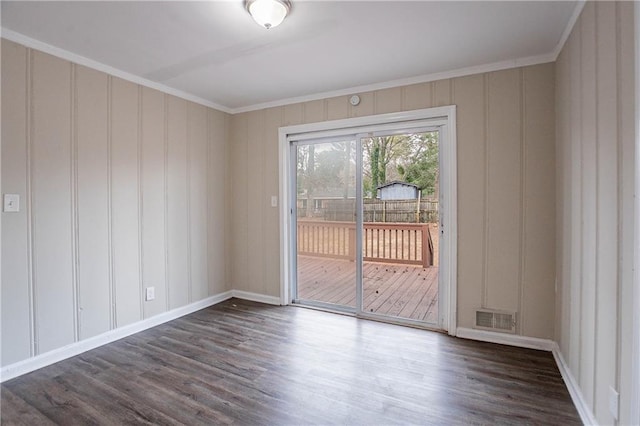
x=400, y=211
x=405, y=243
x=374, y=210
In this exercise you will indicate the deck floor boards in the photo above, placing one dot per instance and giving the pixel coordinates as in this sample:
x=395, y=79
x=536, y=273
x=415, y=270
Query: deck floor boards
x=405, y=291
x=247, y=363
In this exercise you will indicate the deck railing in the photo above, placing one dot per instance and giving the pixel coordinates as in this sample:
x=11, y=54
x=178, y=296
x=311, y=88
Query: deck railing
x=406, y=243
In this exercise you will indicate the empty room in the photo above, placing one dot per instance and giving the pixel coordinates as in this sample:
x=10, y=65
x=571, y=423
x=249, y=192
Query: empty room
x=292, y=212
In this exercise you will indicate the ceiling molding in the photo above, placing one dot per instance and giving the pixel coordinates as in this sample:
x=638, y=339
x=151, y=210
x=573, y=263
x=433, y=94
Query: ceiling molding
x=90, y=63
x=569, y=28
x=461, y=72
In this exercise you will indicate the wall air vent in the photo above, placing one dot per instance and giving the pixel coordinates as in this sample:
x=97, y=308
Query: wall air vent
x=490, y=319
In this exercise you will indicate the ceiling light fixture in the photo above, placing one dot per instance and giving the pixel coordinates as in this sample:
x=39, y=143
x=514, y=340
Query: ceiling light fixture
x=268, y=13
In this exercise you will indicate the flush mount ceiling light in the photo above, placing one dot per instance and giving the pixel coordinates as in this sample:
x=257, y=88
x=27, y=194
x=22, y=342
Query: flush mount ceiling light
x=268, y=13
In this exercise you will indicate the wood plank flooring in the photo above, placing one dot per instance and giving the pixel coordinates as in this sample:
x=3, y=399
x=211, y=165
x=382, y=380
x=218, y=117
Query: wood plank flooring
x=246, y=363
x=404, y=291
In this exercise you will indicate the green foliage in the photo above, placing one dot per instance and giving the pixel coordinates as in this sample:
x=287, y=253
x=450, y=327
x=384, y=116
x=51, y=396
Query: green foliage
x=409, y=157
x=375, y=166
x=329, y=168
x=423, y=170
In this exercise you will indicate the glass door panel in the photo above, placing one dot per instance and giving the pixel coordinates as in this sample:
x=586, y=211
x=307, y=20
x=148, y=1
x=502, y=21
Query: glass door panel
x=325, y=210
x=400, y=181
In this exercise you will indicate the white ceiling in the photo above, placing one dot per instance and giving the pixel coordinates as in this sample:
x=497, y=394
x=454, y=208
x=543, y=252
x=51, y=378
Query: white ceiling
x=214, y=51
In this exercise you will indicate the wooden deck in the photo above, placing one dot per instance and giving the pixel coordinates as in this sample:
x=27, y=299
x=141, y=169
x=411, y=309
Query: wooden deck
x=404, y=291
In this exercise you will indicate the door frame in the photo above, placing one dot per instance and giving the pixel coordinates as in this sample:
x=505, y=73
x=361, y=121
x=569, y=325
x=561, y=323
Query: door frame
x=446, y=116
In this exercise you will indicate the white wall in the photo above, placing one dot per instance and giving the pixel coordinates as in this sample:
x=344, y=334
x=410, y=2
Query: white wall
x=121, y=187
x=595, y=213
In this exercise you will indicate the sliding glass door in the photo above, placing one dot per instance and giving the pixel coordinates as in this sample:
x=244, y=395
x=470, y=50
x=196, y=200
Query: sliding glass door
x=325, y=216
x=400, y=178
x=365, y=218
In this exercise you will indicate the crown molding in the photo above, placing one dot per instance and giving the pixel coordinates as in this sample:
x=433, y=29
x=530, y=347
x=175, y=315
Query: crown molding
x=426, y=78
x=567, y=31
x=90, y=63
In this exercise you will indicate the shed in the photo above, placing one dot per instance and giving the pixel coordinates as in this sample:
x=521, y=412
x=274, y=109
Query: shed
x=397, y=190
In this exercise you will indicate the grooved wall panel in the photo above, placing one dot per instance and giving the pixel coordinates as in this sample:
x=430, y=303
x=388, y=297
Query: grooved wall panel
x=153, y=199
x=504, y=211
x=594, y=268
x=538, y=281
x=313, y=111
x=219, y=214
x=607, y=207
x=470, y=98
x=197, y=140
x=563, y=208
x=441, y=93
x=337, y=108
x=15, y=308
x=92, y=152
x=292, y=114
x=91, y=147
x=388, y=100
x=240, y=203
x=626, y=89
x=575, y=194
x=125, y=202
x=589, y=198
x=271, y=218
x=52, y=202
x=178, y=204
x=417, y=96
x=256, y=198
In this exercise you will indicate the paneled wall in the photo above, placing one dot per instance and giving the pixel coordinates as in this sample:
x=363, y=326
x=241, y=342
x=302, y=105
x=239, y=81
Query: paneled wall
x=506, y=187
x=595, y=172
x=121, y=187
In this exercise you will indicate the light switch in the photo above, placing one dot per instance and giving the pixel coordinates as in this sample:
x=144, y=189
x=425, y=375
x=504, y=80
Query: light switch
x=150, y=294
x=274, y=201
x=11, y=203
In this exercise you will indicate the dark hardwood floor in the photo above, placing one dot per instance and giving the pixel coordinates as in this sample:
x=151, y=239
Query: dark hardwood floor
x=247, y=363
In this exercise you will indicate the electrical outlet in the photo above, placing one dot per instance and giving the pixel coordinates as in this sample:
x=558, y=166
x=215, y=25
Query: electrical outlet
x=274, y=201
x=150, y=294
x=614, y=402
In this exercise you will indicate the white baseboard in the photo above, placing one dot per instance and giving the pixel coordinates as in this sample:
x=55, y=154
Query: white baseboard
x=506, y=339
x=256, y=297
x=586, y=415
x=28, y=365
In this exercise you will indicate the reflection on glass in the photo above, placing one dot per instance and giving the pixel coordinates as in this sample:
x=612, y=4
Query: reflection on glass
x=326, y=229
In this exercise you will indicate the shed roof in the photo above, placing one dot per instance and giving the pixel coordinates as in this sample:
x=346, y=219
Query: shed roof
x=397, y=182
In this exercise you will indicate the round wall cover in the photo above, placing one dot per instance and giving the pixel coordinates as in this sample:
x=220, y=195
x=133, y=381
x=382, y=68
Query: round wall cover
x=355, y=100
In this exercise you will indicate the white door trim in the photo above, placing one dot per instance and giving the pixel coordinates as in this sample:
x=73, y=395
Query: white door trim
x=449, y=186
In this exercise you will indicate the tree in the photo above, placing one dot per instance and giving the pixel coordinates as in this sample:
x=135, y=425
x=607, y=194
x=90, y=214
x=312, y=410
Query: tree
x=424, y=170
x=380, y=153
